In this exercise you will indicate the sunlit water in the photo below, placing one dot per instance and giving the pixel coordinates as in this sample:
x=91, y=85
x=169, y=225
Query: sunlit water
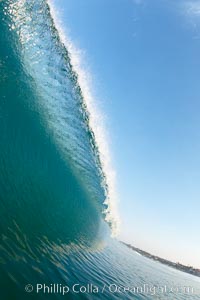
x=54, y=190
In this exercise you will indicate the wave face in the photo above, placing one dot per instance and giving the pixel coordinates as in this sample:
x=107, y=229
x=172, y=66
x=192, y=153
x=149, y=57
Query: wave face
x=48, y=153
x=53, y=188
x=52, y=185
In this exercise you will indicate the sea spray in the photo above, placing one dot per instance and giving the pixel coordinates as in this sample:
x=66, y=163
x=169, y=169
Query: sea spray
x=51, y=193
x=96, y=122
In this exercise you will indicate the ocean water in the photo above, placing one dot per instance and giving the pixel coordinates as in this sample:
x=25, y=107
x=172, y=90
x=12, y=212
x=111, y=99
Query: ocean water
x=55, y=216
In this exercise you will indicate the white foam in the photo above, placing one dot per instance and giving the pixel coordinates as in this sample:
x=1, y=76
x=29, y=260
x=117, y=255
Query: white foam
x=95, y=120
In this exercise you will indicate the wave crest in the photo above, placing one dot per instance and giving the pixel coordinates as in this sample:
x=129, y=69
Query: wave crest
x=52, y=61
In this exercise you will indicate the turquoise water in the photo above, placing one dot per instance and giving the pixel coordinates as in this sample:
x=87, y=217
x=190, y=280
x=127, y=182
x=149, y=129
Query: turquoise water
x=52, y=187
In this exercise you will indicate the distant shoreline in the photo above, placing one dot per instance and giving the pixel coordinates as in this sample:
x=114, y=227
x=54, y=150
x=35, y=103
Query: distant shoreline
x=177, y=266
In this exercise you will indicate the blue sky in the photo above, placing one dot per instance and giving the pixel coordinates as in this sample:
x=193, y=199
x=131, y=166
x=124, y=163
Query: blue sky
x=145, y=63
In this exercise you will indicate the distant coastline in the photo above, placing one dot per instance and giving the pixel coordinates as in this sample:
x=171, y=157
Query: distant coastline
x=177, y=266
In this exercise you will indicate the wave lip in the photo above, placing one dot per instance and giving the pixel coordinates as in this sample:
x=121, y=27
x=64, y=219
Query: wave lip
x=95, y=123
x=65, y=99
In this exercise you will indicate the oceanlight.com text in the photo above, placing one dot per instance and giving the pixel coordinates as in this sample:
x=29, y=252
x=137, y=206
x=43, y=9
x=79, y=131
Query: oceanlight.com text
x=77, y=288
